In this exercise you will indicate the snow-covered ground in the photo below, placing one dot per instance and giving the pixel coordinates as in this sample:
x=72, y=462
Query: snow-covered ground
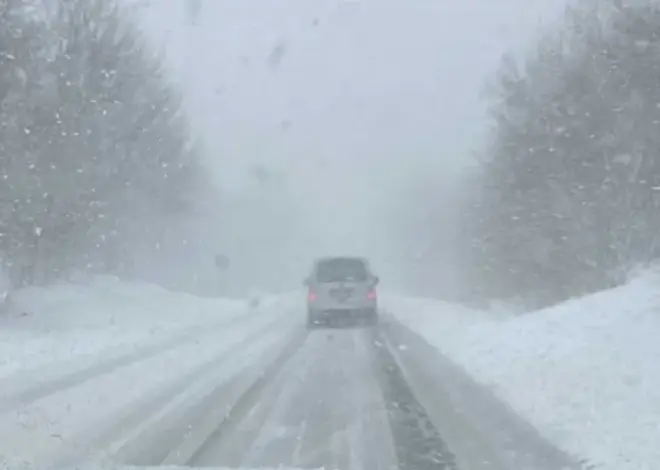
x=84, y=367
x=585, y=372
x=72, y=321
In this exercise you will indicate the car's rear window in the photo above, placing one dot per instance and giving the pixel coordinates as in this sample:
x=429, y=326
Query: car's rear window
x=341, y=269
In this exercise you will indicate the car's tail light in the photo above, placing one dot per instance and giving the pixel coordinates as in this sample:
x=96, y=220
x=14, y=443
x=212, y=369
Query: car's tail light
x=311, y=296
x=371, y=295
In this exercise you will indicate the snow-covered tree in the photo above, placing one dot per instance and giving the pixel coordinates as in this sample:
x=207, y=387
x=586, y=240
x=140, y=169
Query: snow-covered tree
x=568, y=197
x=94, y=147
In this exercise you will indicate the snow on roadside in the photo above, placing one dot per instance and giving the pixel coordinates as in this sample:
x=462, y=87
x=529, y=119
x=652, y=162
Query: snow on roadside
x=72, y=321
x=110, y=410
x=60, y=391
x=585, y=372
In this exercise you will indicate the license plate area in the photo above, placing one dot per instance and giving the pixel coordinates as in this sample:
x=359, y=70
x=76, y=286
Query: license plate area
x=341, y=294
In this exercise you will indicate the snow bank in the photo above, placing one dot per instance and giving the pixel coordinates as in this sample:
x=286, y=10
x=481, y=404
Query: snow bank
x=16, y=464
x=92, y=367
x=107, y=301
x=45, y=325
x=584, y=372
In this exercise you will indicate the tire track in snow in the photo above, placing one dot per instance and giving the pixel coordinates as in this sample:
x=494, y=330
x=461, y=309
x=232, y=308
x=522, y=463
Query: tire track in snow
x=324, y=408
x=483, y=432
x=418, y=444
x=241, y=408
x=12, y=397
x=116, y=440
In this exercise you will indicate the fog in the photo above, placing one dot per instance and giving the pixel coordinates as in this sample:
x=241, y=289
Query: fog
x=337, y=127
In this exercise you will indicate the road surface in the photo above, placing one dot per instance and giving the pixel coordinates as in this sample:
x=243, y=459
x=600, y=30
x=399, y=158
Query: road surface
x=277, y=395
x=358, y=399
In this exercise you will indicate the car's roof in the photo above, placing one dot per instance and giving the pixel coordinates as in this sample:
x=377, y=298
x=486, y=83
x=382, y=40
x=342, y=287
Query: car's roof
x=345, y=257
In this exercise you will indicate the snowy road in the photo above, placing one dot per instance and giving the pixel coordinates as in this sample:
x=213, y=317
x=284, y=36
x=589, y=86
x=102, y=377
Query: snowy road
x=258, y=390
x=365, y=399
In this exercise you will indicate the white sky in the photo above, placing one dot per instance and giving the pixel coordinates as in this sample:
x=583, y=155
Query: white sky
x=374, y=78
x=378, y=93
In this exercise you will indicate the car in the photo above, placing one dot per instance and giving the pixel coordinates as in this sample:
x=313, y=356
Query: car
x=340, y=289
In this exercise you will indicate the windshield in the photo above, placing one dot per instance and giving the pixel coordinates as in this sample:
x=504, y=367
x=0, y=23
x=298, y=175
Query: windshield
x=330, y=234
x=345, y=269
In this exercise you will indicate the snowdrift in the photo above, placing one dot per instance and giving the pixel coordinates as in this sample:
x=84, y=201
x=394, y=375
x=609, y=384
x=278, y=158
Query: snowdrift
x=585, y=372
x=51, y=324
x=99, y=368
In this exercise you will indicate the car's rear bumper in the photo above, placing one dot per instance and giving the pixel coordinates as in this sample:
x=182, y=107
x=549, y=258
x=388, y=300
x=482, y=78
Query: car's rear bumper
x=348, y=313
